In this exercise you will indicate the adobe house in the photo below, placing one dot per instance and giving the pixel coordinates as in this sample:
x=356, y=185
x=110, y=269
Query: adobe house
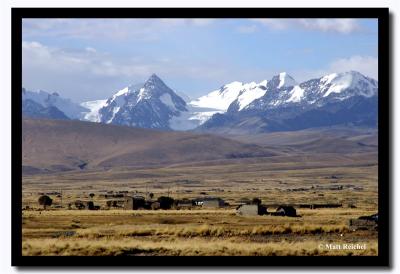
x=133, y=203
x=184, y=204
x=84, y=205
x=210, y=202
x=251, y=210
x=247, y=210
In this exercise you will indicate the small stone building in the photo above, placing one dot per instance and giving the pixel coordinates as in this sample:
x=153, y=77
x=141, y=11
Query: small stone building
x=134, y=203
x=248, y=210
x=184, y=204
x=84, y=205
x=251, y=210
x=211, y=202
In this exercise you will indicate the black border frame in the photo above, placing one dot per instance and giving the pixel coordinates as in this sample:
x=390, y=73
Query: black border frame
x=382, y=14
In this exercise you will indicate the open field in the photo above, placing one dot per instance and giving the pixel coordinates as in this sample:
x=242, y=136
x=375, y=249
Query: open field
x=73, y=160
x=189, y=232
x=275, y=180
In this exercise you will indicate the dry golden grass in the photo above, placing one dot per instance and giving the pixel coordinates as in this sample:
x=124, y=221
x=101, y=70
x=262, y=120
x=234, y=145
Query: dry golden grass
x=187, y=232
x=203, y=231
x=182, y=247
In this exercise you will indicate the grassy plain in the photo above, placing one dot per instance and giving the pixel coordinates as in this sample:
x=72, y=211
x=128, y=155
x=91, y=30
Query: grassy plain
x=283, y=179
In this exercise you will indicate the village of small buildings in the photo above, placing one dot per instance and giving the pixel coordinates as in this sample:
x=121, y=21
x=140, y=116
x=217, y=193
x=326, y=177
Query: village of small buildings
x=181, y=217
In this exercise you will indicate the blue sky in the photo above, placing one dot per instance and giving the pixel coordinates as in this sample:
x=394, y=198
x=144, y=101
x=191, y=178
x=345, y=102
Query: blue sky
x=88, y=59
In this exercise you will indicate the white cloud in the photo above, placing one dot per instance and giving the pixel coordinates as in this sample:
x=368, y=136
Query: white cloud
x=201, y=21
x=120, y=29
x=278, y=24
x=367, y=65
x=90, y=49
x=89, y=74
x=84, y=74
x=247, y=29
x=336, y=25
x=342, y=25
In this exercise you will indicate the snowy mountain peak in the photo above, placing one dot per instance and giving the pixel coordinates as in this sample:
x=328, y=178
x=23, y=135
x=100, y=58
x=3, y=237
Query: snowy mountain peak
x=121, y=92
x=219, y=99
x=153, y=87
x=154, y=105
x=237, y=93
x=327, y=79
x=150, y=105
x=350, y=80
x=250, y=92
x=263, y=83
x=231, y=85
x=285, y=80
x=154, y=81
x=154, y=77
x=334, y=99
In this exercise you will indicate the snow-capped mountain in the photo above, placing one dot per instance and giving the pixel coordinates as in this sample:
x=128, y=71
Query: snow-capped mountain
x=150, y=106
x=35, y=110
x=329, y=88
x=285, y=80
x=130, y=106
x=338, y=98
x=218, y=101
x=280, y=103
x=222, y=98
x=271, y=88
x=46, y=100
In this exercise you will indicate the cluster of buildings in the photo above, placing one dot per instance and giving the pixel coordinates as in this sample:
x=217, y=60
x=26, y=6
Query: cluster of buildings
x=136, y=202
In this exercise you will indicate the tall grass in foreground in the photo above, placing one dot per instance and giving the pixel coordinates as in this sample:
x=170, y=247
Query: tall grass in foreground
x=207, y=231
x=190, y=232
x=182, y=247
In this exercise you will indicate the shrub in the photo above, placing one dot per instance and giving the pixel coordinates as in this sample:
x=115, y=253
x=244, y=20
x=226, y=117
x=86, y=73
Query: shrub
x=45, y=201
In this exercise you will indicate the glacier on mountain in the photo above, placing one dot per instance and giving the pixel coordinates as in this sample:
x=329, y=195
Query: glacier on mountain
x=93, y=107
x=155, y=105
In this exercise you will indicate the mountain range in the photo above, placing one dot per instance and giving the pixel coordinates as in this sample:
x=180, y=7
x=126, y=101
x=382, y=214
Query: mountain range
x=50, y=102
x=278, y=104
